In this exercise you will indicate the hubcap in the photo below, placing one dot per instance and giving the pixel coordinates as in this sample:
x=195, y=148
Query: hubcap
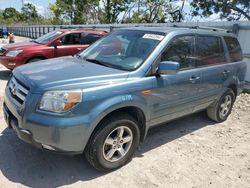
x=225, y=106
x=117, y=144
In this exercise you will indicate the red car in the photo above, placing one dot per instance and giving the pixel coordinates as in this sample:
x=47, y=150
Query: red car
x=54, y=44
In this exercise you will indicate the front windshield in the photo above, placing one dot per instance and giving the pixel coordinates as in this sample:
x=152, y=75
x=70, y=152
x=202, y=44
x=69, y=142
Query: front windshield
x=124, y=49
x=47, y=37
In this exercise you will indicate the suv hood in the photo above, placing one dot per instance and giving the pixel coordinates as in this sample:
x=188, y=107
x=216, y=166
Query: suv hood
x=66, y=73
x=20, y=45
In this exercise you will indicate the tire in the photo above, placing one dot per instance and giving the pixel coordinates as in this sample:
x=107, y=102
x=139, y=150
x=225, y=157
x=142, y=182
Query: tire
x=108, y=139
x=34, y=60
x=223, y=107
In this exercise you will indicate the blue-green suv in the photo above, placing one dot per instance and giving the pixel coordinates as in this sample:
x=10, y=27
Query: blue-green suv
x=102, y=101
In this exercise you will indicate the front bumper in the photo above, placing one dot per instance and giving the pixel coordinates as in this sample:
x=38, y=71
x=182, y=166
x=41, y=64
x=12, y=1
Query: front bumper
x=67, y=135
x=23, y=134
x=11, y=62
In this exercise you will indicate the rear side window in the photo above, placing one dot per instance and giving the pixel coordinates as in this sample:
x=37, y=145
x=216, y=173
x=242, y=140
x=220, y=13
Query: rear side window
x=234, y=49
x=209, y=50
x=181, y=50
x=89, y=38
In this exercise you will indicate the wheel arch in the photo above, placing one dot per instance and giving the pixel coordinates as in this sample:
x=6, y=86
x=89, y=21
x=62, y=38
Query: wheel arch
x=234, y=88
x=136, y=112
x=34, y=57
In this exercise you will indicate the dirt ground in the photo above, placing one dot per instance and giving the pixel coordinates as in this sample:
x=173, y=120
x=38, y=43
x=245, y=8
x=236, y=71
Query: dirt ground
x=189, y=152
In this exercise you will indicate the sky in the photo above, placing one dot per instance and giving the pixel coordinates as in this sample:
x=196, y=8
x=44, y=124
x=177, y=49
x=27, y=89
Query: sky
x=41, y=5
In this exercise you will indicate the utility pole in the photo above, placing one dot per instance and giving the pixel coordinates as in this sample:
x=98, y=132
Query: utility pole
x=73, y=11
x=22, y=3
x=139, y=6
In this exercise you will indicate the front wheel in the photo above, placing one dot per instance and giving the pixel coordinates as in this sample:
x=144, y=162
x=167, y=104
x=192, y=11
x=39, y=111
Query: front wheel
x=223, y=107
x=114, y=144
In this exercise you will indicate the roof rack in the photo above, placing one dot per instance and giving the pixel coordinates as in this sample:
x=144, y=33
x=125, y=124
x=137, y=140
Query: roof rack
x=206, y=28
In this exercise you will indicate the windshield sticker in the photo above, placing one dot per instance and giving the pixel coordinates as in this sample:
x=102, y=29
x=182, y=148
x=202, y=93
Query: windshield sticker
x=153, y=36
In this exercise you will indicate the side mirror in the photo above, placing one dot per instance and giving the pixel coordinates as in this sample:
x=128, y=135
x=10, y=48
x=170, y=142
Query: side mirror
x=57, y=43
x=168, y=67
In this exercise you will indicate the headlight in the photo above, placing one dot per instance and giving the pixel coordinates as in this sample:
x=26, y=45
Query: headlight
x=60, y=101
x=13, y=53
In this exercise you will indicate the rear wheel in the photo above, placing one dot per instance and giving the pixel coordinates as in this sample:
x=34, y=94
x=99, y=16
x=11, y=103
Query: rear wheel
x=114, y=144
x=223, y=107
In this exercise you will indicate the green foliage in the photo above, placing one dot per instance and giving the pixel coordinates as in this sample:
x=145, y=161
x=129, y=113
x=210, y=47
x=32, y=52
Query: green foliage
x=151, y=11
x=11, y=15
x=56, y=11
x=110, y=11
x=122, y=11
x=114, y=7
x=74, y=11
x=230, y=9
x=29, y=13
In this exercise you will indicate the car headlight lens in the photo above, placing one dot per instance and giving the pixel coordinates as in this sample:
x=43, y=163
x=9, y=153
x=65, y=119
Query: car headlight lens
x=13, y=53
x=60, y=101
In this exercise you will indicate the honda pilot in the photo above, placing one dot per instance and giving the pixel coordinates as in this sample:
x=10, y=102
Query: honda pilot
x=103, y=101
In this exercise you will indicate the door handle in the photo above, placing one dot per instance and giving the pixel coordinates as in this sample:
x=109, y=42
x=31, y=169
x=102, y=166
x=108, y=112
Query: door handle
x=194, y=79
x=226, y=72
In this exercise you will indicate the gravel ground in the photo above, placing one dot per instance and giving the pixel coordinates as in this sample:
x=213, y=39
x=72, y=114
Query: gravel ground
x=189, y=152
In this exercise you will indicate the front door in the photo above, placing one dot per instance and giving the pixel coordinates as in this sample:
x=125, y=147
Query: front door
x=174, y=95
x=71, y=45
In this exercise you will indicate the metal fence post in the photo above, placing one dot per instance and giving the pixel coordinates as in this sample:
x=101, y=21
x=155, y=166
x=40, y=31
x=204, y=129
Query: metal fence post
x=111, y=28
x=35, y=32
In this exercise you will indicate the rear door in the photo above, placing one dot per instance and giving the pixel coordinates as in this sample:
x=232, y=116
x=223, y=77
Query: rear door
x=236, y=58
x=215, y=71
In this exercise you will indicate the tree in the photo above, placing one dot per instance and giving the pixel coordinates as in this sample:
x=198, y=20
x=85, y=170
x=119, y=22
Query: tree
x=56, y=13
x=151, y=11
x=76, y=11
x=113, y=8
x=230, y=9
x=29, y=12
x=11, y=13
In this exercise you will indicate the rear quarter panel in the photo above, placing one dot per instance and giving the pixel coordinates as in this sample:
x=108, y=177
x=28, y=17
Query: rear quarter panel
x=239, y=73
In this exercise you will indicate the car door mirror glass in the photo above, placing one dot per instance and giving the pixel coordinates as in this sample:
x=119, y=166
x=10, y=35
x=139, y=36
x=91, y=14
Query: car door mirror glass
x=168, y=67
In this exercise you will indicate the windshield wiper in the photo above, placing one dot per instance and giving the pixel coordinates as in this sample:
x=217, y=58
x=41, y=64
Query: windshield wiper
x=36, y=42
x=106, y=64
x=97, y=62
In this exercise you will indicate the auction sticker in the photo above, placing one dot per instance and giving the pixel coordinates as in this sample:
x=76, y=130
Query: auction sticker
x=153, y=36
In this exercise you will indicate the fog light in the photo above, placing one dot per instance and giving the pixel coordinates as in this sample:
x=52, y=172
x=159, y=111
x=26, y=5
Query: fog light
x=12, y=64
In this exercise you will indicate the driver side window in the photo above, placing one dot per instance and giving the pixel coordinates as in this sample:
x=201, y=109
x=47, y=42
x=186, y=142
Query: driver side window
x=181, y=50
x=71, y=39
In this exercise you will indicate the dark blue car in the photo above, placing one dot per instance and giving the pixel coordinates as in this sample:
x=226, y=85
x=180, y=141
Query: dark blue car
x=3, y=33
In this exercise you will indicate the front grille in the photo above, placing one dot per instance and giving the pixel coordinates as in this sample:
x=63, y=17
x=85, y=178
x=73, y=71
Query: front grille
x=2, y=51
x=18, y=91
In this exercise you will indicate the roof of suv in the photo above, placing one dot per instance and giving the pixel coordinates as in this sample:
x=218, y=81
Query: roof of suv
x=83, y=30
x=195, y=30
